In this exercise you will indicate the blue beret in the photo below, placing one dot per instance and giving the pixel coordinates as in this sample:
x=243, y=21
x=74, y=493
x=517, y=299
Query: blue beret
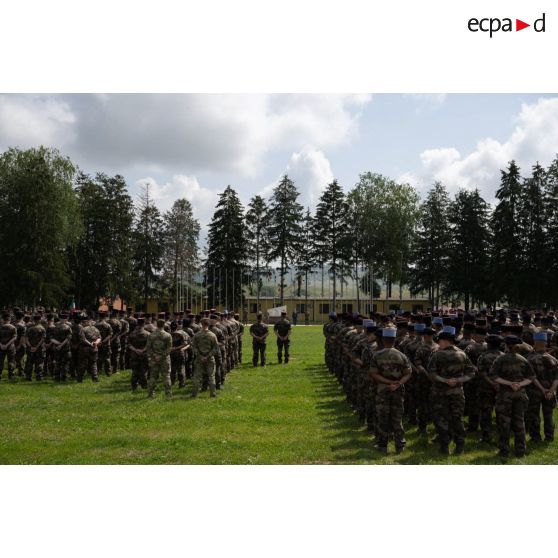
x=419, y=327
x=449, y=329
x=333, y=314
x=388, y=332
x=437, y=320
x=540, y=336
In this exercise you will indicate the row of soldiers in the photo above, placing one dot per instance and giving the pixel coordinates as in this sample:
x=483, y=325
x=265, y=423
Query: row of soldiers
x=441, y=368
x=74, y=344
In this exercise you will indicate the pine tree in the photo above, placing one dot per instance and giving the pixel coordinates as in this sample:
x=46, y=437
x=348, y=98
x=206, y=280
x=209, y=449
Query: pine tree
x=330, y=229
x=506, y=246
x=285, y=229
x=148, y=241
x=469, y=263
x=550, y=217
x=226, y=250
x=306, y=258
x=257, y=222
x=430, y=254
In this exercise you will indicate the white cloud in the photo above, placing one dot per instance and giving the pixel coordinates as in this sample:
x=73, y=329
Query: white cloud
x=535, y=138
x=31, y=120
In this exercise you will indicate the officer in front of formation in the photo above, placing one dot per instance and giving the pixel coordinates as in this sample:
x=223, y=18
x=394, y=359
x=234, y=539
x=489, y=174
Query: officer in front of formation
x=282, y=330
x=259, y=332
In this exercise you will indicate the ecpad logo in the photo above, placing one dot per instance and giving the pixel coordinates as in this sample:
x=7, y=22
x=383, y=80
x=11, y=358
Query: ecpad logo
x=492, y=25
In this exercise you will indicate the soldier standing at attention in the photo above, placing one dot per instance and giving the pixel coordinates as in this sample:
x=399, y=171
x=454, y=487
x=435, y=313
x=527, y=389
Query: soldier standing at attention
x=21, y=328
x=8, y=337
x=123, y=339
x=116, y=327
x=282, y=330
x=391, y=370
x=61, y=338
x=513, y=372
x=74, y=345
x=239, y=335
x=180, y=342
x=259, y=332
x=103, y=359
x=49, y=347
x=137, y=342
x=89, y=341
x=35, y=350
x=449, y=368
x=131, y=320
x=542, y=392
x=205, y=347
x=158, y=347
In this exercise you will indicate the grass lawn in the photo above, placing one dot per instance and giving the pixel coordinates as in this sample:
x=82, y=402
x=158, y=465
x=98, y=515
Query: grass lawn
x=281, y=414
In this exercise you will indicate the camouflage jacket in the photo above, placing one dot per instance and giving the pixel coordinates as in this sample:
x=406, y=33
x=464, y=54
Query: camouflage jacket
x=205, y=344
x=485, y=362
x=511, y=367
x=390, y=364
x=474, y=351
x=545, y=367
x=449, y=363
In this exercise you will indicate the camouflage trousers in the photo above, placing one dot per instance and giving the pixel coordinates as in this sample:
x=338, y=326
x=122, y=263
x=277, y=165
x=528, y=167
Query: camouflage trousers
x=9, y=356
x=283, y=345
x=239, y=347
x=159, y=369
x=49, y=362
x=423, y=386
x=61, y=364
x=258, y=353
x=74, y=361
x=177, y=368
x=410, y=403
x=114, y=356
x=103, y=359
x=123, y=355
x=447, y=409
x=486, y=398
x=472, y=410
x=19, y=356
x=510, y=415
x=87, y=363
x=139, y=366
x=389, y=413
x=204, y=370
x=34, y=363
x=537, y=403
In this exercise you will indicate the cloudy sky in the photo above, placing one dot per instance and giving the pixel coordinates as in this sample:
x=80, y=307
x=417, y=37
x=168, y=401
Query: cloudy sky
x=193, y=146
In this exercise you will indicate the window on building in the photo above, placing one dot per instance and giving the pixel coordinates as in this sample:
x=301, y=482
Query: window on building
x=417, y=308
x=324, y=308
x=301, y=308
x=254, y=307
x=394, y=307
x=367, y=308
x=347, y=308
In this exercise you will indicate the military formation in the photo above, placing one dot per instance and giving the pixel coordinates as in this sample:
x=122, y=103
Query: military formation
x=470, y=374
x=158, y=348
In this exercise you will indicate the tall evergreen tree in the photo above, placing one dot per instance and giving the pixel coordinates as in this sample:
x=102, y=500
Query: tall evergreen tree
x=306, y=258
x=257, y=222
x=38, y=220
x=331, y=230
x=285, y=229
x=550, y=217
x=180, y=254
x=226, y=250
x=430, y=254
x=506, y=246
x=148, y=242
x=469, y=261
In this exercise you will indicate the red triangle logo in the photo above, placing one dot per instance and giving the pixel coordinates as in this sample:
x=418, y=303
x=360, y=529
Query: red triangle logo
x=519, y=25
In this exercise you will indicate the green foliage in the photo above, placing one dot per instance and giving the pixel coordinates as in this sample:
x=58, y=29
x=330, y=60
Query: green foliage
x=38, y=221
x=257, y=223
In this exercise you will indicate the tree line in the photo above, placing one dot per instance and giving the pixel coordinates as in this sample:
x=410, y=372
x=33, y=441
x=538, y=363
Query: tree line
x=68, y=236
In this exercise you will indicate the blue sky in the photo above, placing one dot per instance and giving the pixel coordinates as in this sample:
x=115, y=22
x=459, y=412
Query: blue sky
x=194, y=145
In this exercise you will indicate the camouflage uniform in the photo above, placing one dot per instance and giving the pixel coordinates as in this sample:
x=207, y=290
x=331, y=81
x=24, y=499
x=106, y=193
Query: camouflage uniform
x=391, y=364
x=472, y=411
x=204, y=345
x=88, y=353
x=116, y=327
x=258, y=347
x=103, y=360
x=20, y=346
x=138, y=363
x=36, y=335
x=448, y=403
x=511, y=405
x=283, y=329
x=546, y=370
x=124, y=332
x=220, y=356
x=7, y=333
x=486, y=391
x=179, y=338
x=158, y=347
x=63, y=334
x=49, y=349
x=423, y=384
x=74, y=348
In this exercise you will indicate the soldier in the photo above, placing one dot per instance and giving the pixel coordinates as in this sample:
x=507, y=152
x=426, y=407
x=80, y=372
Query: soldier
x=180, y=342
x=49, y=347
x=205, y=348
x=131, y=320
x=158, y=347
x=239, y=335
x=513, y=372
x=116, y=327
x=20, y=343
x=74, y=345
x=137, y=342
x=36, y=335
x=487, y=388
x=188, y=355
x=123, y=338
x=61, y=338
x=423, y=384
x=105, y=329
x=542, y=392
x=149, y=327
x=391, y=370
x=449, y=368
x=216, y=327
x=282, y=330
x=473, y=351
x=259, y=332
x=8, y=338
x=89, y=341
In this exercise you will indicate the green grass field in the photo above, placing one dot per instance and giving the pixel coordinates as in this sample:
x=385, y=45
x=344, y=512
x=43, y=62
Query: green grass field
x=281, y=414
